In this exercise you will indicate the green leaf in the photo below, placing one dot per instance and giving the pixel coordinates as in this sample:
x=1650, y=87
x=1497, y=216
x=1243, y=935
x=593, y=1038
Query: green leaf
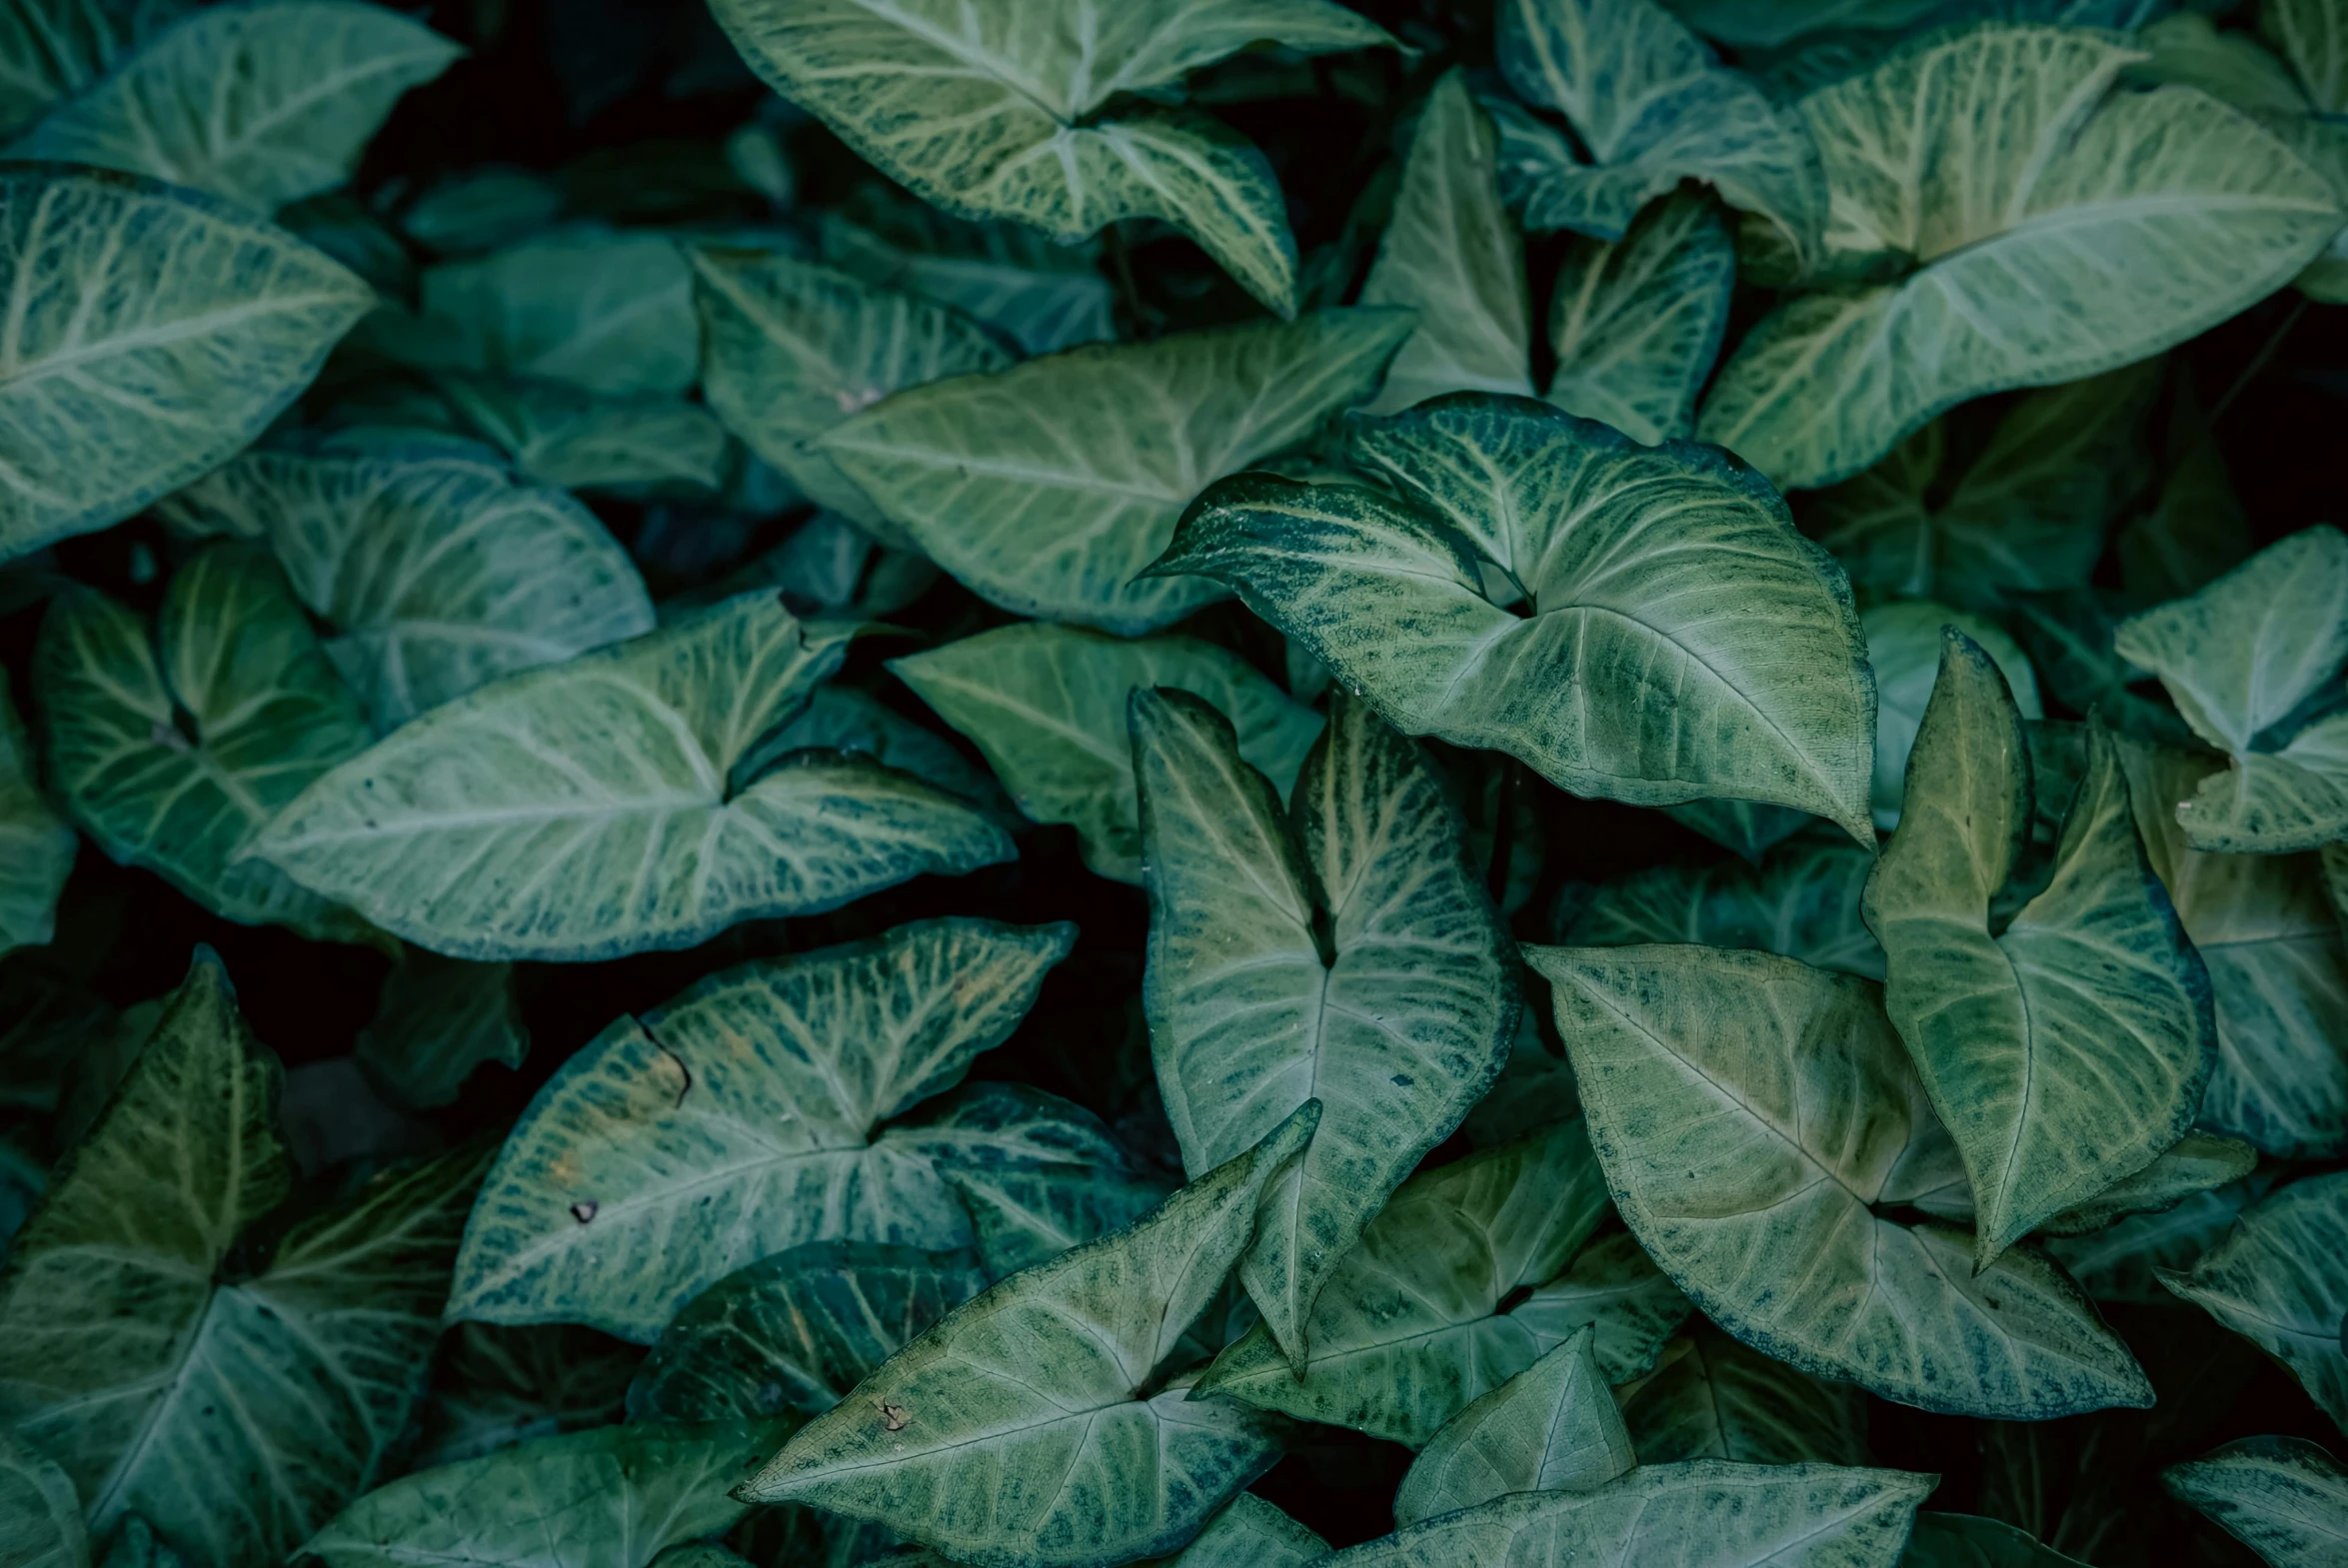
x=1409, y=1330
x=1614, y=1287
x=1650, y=106
x=115, y=395
x=2312, y=36
x=439, y=574
x=1703, y=1514
x=481, y=209
x=592, y=809
x=616, y=1497
x=1045, y=704
x=1045, y=296
x=2241, y=660
x=2195, y=1163
x=40, y=1517
x=173, y=749
x=827, y=567
x=495, y=1386
x=1649, y=571
x=438, y=1019
x=1002, y=114
x=1638, y=322
x=2025, y=517
x=1712, y=1398
x=793, y=349
x=2278, y=971
x=743, y=1117
x=1746, y=827
x=1904, y=648
x=2283, y=1497
x=1252, y=1533
x=1451, y=255
x=793, y=1333
x=2068, y=1051
x=1024, y=1215
x=603, y=311
x=2122, y=1261
x=1342, y=950
x=1049, y=487
x=1756, y=1119
x=161, y=1381
x=843, y=718
x=52, y=49
x=260, y=103
x=1553, y=1427
x=2279, y=1280
x=574, y=440
x=1035, y=1424
x=1802, y=901
x=2039, y=227
x=36, y=847
x=1969, y=1541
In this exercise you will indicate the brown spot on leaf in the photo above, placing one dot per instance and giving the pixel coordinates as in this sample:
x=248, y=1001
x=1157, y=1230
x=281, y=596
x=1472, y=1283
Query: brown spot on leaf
x=893, y=1417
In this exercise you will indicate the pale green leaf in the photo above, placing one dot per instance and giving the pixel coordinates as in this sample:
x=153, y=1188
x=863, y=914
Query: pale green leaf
x=1970, y=1541
x=793, y=1333
x=1614, y=1287
x=1682, y=641
x=2313, y=36
x=2025, y=517
x=174, y=747
x=844, y=718
x=1049, y=487
x=2041, y=229
x=561, y=435
x=36, y=847
x=260, y=103
x=2283, y=1497
x=1451, y=254
x=1553, y=1427
x=2278, y=971
x=161, y=1382
x=112, y=396
x=52, y=49
x=1409, y=1330
x=592, y=809
x=1904, y=648
x=2069, y=1050
x=1034, y=1426
x=40, y=1517
x=1045, y=705
x=1024, y=1215
x=1650, y=106
x=1046, y=297
x=1802, y=900
x=1342, y=950
x=1252, y=1533
x=996, y=112
x=2241, y=658
x=794, y=348
x=745, y=1117
x=438, y=1019
x=2196, y=1163
x=1755, y=1117
x=438, y=574
x=1636, y=321
x=494, y=1388
x=1711, y=1396
x=1704, y=1514
x=616, y=1497
x=2279, y=1279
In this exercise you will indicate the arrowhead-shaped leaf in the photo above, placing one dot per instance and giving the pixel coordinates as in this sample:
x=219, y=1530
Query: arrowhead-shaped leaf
x=233, y=661
x=1753, y=1115
x=54, y=48
x=1046, y=297
x=1904, y=648
x=1252, y=1533
x=1045, y=705
x=1049, y=487
x=745, y=1117
x=2280, y=1279
x=1680, y=639
x=1034, y=1425
x=1802, y=901
x=2068, y=1051
x=1550, y=1428
x=118, y=395
x=594, y=808
x=1714, y=1397
x=2283, y=1497
x=1638, y=322
x=564, y=436
x=40, y=1517
x=1340, y=950
x=436, y=1020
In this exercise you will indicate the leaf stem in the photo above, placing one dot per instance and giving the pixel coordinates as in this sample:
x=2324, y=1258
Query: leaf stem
x=2266, y=352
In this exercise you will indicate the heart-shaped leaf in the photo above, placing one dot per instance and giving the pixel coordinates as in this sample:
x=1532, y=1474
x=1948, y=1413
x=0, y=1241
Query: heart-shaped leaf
x=1045, y=296
x=2279, y=1279
x=563, y=436
x=594, y=808
x=1714, y=1397
x=2283, y=1497
x=1904, y=648
x=1635, y=572
x=1550, y=1428
x=1252, y=1533
x=1042, y=1423
x=1636, y=322
x=1340, y=950
x=54, y=48
x=1802, y=901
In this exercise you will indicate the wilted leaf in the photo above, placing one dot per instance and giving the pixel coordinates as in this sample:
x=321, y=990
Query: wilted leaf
x=1045, y=705
x=593, y=808
x=2283, y=1497
x=2280, y=1279
x=1553, y=1427
x=1043, y=1423
x=1342, y=950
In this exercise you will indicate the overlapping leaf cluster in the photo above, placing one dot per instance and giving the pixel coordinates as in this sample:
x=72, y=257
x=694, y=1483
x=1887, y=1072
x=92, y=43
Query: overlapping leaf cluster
x=1711, y=935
